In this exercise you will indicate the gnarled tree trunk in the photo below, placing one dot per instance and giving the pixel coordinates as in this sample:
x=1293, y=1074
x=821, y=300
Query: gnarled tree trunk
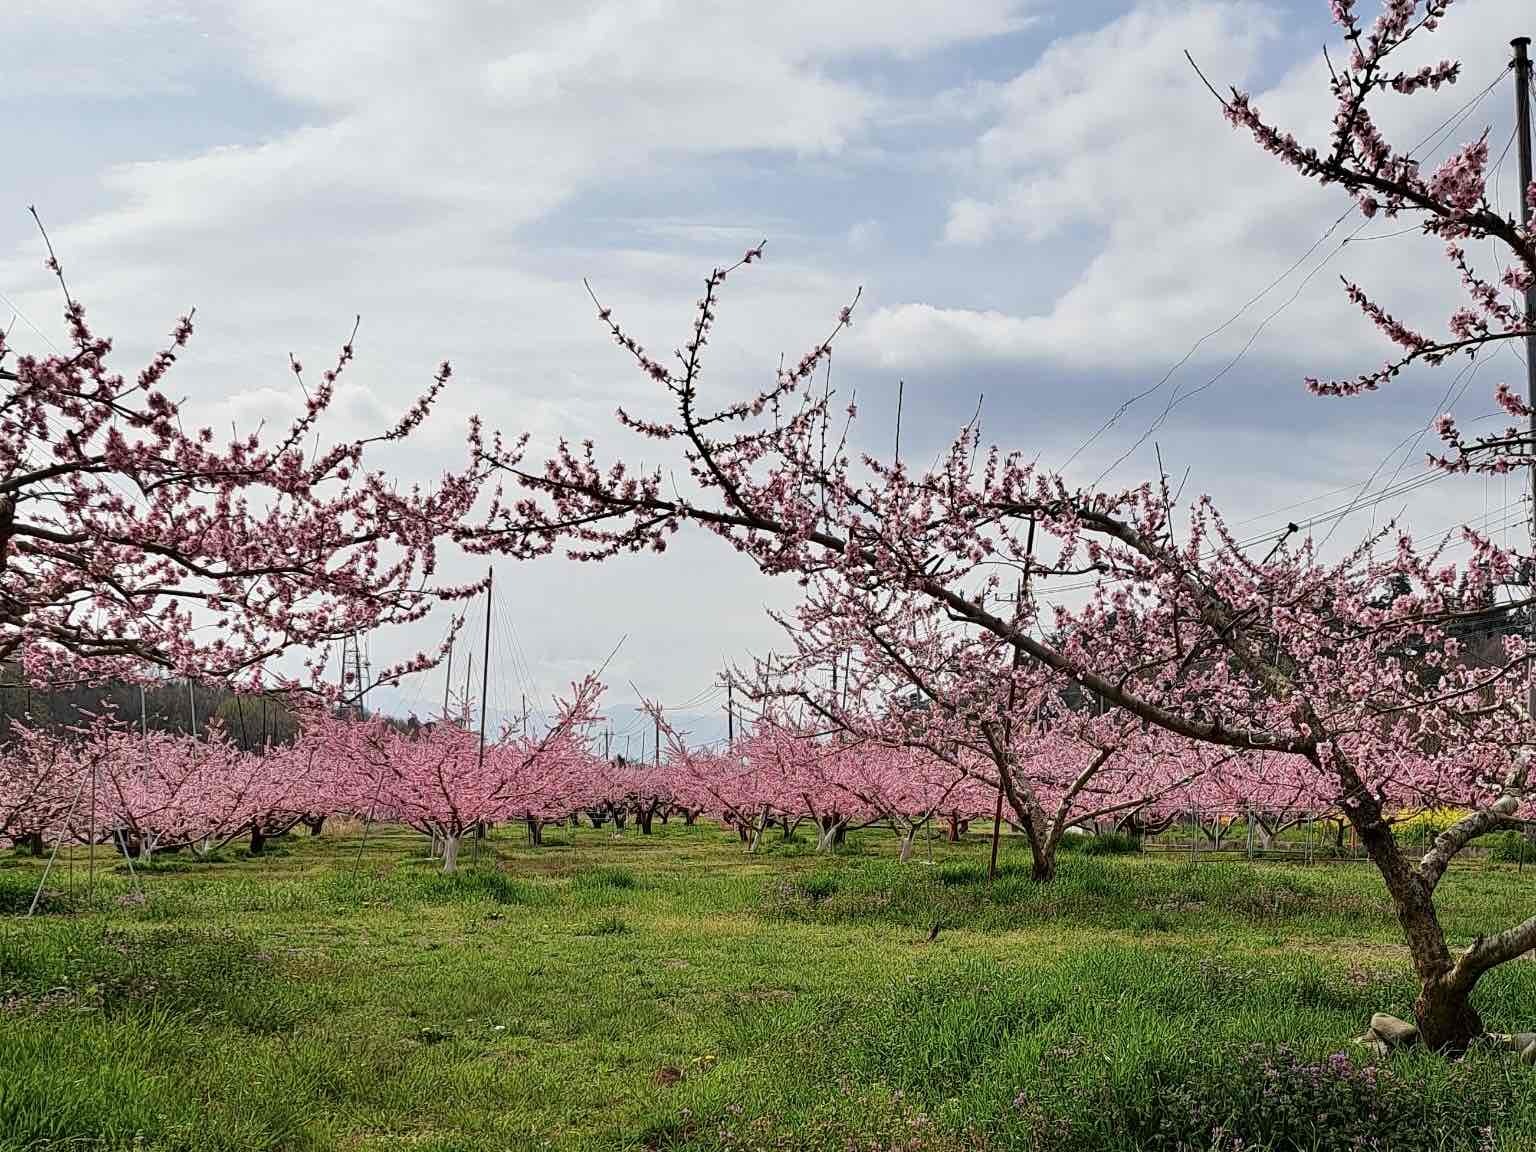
x=1042, y=850
x=1447, y=1020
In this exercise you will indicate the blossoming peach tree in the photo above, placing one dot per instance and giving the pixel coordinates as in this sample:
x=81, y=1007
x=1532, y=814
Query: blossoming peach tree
x=129, y=541
x=1328, y=671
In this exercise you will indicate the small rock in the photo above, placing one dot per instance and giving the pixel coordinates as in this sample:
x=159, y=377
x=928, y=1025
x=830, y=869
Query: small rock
x=1372, y=1042
x=1513, y=1041
x=1392, y=1032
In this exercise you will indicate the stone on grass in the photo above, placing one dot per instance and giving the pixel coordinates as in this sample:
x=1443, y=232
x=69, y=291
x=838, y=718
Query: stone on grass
x=1373, y=1043
x=1513, y=1041
x=1392, y=1032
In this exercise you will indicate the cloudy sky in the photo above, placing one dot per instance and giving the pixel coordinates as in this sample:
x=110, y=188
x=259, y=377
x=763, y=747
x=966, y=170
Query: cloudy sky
x=1040, y=200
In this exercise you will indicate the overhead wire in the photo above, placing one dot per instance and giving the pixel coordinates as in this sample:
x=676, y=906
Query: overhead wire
x=1441, y=131
x=1464, y=377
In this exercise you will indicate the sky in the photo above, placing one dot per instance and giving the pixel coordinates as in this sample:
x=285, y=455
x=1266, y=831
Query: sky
x=1043, y=207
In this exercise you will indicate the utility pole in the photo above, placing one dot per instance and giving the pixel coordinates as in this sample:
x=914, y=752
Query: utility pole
x=192, y=703
x=467, y=672
x=525, y=715
x=341, y=676
x=658, y=736
x=485, y=664
x=1522, y=67
x=608, y=744
x=448, y=680
x=91, y=836
x=364, y=674
x=730, y=713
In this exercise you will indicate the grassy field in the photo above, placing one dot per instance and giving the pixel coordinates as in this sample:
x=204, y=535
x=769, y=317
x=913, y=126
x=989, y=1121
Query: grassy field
x=668, y=992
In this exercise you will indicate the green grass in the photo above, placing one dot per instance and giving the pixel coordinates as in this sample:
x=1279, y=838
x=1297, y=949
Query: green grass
x=670, y=992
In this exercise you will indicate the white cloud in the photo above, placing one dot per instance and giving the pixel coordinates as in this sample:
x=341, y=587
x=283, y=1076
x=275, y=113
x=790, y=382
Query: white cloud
x=921, y=335
x=1110, y=150
x=431, y=140
x=864, y=235
x=98, y=48
x=1102, y=217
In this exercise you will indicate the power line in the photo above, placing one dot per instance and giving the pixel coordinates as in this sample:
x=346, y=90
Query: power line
x=1450, y=124
x=1179, y=397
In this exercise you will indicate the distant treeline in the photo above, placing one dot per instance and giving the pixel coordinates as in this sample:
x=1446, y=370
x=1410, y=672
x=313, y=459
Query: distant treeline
x=249, y=720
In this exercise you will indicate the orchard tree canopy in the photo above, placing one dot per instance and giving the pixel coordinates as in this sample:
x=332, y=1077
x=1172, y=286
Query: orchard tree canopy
x=1288, y=653
x=127, y=539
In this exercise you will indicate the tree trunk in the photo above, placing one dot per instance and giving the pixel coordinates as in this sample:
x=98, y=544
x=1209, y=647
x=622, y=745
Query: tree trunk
x=1042, y=855
x=127, y=843
x=1265, y=833
x=757, y=832
x=258, y=840
x=832, y=831
x=450, y=853
x=644, y=816
x=315, y=824
x=907, y=841
x=32, y=842
x=1447, y=1021
x=535, y=831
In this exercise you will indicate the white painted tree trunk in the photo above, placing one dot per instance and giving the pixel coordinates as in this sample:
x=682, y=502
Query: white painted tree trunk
x=757, y=833
x=827, y=837
x=907, y=843
x=450, y=853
